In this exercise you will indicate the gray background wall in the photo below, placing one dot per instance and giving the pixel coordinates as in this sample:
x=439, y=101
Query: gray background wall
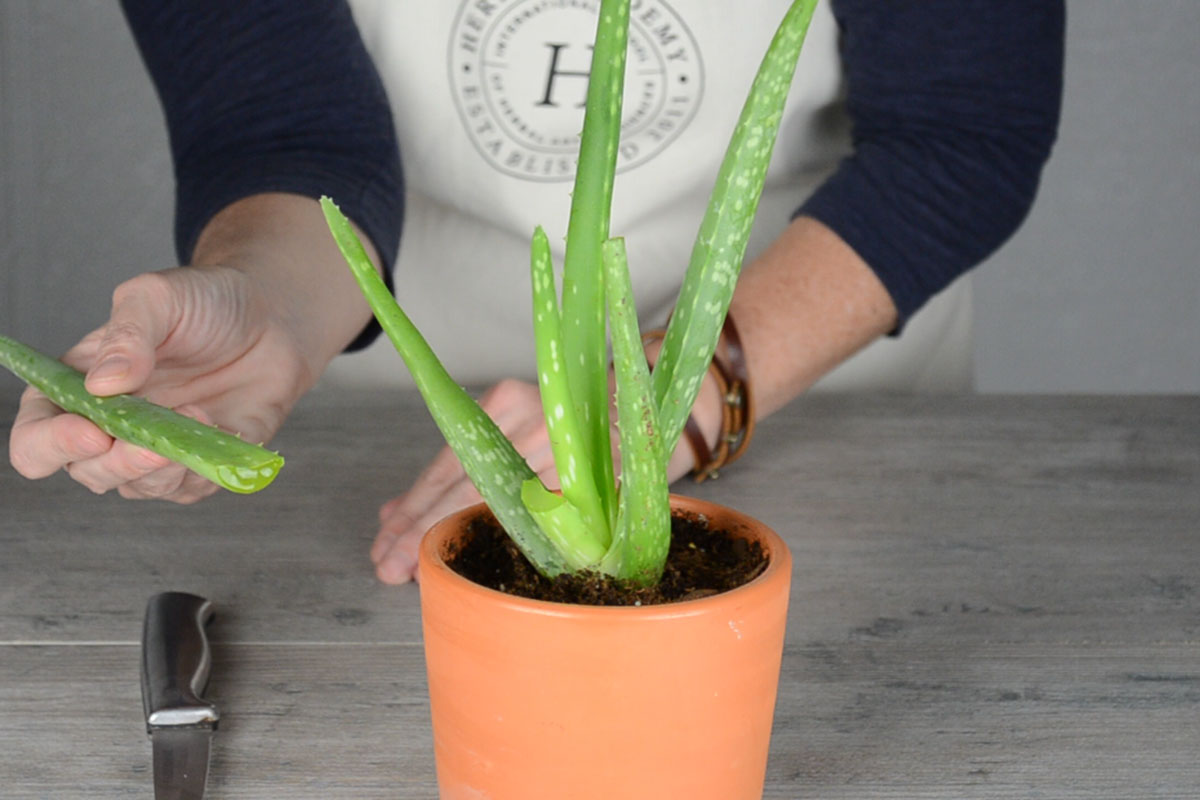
x=1099, y=292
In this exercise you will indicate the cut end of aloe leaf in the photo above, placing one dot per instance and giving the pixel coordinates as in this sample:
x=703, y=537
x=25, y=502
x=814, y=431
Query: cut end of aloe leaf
x=246, y=480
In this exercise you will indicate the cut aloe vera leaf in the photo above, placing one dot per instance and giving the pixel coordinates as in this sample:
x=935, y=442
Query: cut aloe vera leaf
x=223, y=458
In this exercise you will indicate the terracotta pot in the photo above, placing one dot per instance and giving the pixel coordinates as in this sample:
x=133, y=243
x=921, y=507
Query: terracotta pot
x=535, y=700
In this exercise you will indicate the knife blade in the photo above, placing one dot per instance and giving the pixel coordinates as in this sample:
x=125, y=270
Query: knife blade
x=175, y=668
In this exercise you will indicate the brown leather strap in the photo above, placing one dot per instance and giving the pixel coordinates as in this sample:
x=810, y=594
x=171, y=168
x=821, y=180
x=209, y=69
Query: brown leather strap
x=738, y=395
x=737, y=407
x=696, y=441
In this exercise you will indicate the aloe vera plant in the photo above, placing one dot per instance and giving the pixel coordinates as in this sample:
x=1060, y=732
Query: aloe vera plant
x=221, y=457
x=597, y=523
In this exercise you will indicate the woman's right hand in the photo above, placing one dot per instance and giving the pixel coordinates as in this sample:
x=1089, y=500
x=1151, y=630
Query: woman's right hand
x=204, y=341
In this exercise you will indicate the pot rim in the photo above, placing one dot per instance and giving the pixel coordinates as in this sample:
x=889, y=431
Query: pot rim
x=778, y=570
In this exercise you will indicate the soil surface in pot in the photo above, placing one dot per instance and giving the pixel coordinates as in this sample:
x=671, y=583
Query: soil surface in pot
x=701, y=562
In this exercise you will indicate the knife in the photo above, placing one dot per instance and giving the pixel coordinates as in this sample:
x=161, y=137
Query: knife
x=175, y=666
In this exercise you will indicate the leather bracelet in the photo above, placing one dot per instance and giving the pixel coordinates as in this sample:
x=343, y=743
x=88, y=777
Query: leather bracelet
x=737, y=406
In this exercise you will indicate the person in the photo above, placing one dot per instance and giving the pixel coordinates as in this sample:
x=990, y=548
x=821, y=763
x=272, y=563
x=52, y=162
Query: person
x=911, y=148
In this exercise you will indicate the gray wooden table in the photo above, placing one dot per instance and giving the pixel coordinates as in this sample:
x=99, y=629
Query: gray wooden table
x=993, y=597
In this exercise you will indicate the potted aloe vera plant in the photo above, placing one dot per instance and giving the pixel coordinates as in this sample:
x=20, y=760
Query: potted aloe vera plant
x=532, y=698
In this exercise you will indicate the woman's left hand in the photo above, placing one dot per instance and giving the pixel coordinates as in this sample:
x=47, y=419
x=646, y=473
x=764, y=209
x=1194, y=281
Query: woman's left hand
x=443, y=486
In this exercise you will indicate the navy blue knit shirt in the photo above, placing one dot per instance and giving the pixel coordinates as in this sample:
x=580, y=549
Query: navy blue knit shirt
x=954, y=103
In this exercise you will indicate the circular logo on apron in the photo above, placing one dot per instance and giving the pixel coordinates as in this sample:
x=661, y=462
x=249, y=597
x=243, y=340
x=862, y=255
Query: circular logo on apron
x=519, y=71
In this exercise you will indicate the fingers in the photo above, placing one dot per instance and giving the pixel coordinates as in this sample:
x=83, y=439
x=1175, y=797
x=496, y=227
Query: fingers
x=143, y=314
x=118, y=357
x=443, y=487
x=401, y=529
x=150, y=476
x=172, y=483
x=44, y=440
x=41, y=446
x=139, y=474
x=121, y=464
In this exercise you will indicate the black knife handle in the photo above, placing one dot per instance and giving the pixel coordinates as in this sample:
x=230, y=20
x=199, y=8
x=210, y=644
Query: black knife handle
x=176, y=661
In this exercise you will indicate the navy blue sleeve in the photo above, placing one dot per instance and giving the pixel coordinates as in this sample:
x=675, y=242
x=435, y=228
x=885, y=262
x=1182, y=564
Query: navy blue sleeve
x=955, y=107
x=271, y=96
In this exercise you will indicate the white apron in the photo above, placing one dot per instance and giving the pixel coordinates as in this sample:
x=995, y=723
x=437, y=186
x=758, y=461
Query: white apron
x=487, y=97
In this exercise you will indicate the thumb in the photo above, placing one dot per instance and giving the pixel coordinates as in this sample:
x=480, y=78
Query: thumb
x=125, y=356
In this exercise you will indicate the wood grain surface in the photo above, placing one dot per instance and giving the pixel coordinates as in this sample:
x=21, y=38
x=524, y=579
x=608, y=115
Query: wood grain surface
x=993, y=597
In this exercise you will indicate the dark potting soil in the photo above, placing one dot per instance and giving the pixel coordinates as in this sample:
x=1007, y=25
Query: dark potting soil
x=700, y=562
